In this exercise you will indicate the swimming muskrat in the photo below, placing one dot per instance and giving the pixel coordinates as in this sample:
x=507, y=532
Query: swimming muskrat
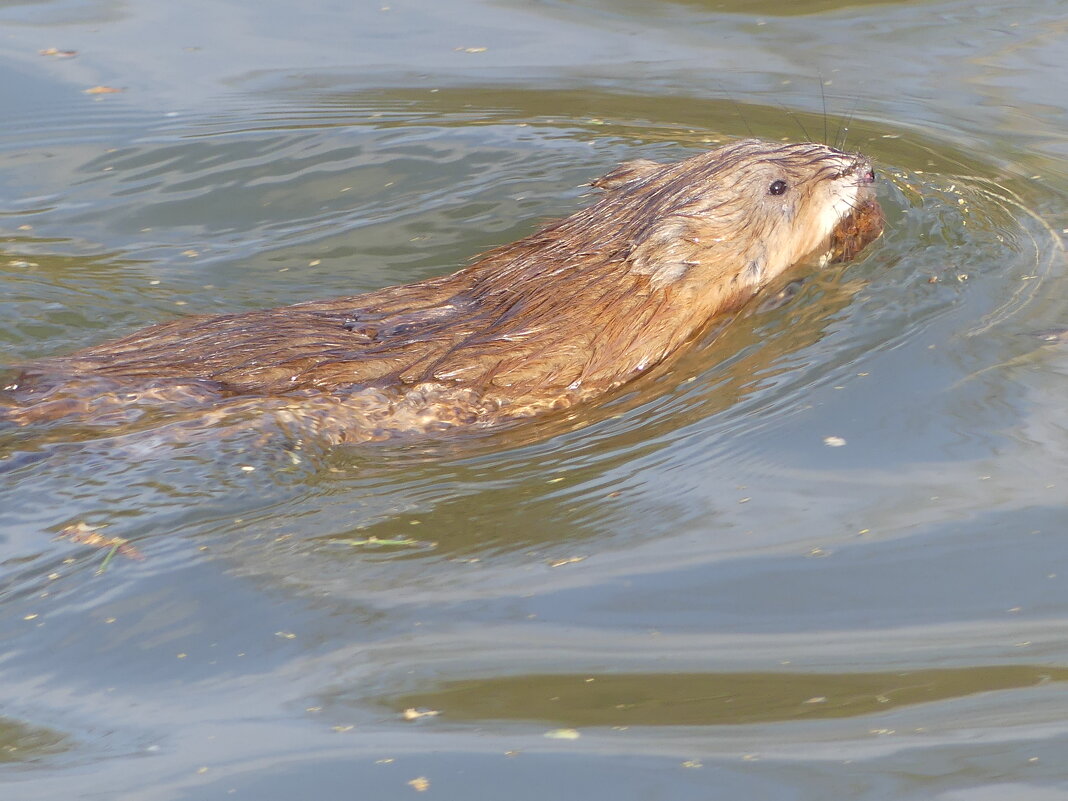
x=564, y=315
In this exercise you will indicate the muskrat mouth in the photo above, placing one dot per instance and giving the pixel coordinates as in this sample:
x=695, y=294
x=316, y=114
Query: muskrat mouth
x=860, y=167
x=867, y=177
x=857, y=229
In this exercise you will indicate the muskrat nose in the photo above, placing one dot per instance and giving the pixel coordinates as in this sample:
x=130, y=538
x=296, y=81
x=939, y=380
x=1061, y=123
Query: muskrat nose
x=859, y=171
x=865, y=172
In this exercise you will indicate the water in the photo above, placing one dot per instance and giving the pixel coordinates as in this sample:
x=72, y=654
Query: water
x=689, y=577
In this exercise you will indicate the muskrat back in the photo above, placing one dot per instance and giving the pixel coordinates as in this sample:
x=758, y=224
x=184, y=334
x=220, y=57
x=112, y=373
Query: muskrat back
x=561, y=316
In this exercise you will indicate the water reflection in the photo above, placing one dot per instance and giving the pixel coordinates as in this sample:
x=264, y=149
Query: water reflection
x=20, y=742
x=709, y=699
x=756, y=601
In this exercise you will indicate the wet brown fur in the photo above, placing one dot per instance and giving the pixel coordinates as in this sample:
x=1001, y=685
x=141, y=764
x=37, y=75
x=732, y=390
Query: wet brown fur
x=560, y=316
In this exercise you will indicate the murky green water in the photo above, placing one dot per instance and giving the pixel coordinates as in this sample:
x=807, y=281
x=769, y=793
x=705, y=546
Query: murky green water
x=687, y=577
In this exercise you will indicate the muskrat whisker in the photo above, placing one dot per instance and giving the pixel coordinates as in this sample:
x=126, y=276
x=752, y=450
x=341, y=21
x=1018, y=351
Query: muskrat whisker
x=823, y=99
x=843, y=130
x=737, y=107
x=797, y=121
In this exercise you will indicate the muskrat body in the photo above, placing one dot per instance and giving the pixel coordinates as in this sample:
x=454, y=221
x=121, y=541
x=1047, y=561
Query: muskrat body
x=566, y=314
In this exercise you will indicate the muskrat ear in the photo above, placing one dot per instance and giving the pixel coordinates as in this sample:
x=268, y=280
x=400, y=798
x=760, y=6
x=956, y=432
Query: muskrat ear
x=626, y=172
x=665, y=254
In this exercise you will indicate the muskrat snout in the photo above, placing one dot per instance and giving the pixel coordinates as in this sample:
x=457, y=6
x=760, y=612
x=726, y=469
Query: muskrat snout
x=863, y=169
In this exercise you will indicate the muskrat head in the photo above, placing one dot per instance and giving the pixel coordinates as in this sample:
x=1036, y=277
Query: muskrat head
x=741, y=214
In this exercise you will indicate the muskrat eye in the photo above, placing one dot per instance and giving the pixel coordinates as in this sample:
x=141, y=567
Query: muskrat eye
x=777, y=188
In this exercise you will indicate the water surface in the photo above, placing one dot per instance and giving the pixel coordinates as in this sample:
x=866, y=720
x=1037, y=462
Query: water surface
x=687, y=587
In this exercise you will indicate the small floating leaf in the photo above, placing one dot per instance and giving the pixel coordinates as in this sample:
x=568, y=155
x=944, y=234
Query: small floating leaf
x=568, y=561
x=397, y=542
x=562, y=734
x=83, y=534
x=411, y=713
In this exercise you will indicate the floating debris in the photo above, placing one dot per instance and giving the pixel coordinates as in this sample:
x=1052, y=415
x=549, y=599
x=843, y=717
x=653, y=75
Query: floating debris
x=562, y=734
x=1052, y=335
x=83, y=534
x=411, y=713
x=387, y=542
x=568, y=561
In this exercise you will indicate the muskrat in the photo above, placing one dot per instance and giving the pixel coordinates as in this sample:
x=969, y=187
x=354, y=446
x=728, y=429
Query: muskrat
x=562, y=316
